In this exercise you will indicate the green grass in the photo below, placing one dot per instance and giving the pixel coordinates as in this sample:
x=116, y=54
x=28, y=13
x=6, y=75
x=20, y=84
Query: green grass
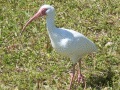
x=29, y=60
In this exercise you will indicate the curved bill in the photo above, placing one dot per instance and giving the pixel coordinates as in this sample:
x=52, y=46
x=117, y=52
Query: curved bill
x=40, y=13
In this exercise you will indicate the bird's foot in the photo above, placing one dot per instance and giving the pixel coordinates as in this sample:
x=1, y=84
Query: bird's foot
x=72, y=73
x=81, y=78
x=71, y=79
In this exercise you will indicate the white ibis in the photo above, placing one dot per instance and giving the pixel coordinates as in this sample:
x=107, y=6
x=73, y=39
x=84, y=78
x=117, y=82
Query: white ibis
x=65, y=41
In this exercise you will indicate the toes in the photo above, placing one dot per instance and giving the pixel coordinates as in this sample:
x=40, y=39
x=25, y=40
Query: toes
x=80, y=78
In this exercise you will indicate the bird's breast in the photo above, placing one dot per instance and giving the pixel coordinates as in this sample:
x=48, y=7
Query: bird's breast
x=63, y=46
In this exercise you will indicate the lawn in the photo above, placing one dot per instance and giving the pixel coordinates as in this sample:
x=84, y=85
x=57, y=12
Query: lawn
x=28, y=61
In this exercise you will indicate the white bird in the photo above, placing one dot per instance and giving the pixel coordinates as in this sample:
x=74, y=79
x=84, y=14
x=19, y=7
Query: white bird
x=65, y=41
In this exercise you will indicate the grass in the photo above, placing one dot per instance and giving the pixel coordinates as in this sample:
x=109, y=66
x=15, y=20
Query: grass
x=29, y=60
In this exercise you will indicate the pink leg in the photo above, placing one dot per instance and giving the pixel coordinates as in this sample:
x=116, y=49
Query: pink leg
x=80, y=76
x=72, y=74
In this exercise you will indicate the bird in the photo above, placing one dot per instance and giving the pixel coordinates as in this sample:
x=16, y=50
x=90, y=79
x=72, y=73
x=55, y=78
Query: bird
x=66, y=42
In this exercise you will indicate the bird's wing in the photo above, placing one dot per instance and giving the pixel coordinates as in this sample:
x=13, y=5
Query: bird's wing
x=77, y=42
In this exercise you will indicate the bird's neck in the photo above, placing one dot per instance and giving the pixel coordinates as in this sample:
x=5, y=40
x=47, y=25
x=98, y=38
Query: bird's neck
x=50, y=23
x=51, y=29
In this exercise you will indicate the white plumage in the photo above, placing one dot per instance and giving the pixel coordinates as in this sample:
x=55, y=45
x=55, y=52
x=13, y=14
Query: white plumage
x=71, y=43
x=66, y=42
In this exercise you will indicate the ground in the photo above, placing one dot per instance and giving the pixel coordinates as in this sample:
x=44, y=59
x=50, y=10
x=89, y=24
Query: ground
x=28, y=62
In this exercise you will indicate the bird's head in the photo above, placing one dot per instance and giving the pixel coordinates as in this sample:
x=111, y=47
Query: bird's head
x=44, y=10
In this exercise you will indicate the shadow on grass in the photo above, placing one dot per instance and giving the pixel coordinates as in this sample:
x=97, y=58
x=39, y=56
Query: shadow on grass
x=101, y=79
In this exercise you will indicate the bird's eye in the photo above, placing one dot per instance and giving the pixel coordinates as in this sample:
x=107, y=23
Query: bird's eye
x=44, y=11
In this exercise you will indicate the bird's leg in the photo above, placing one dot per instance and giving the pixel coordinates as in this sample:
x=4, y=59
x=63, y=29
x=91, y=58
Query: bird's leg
x=72, y=74
x=80, y=76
